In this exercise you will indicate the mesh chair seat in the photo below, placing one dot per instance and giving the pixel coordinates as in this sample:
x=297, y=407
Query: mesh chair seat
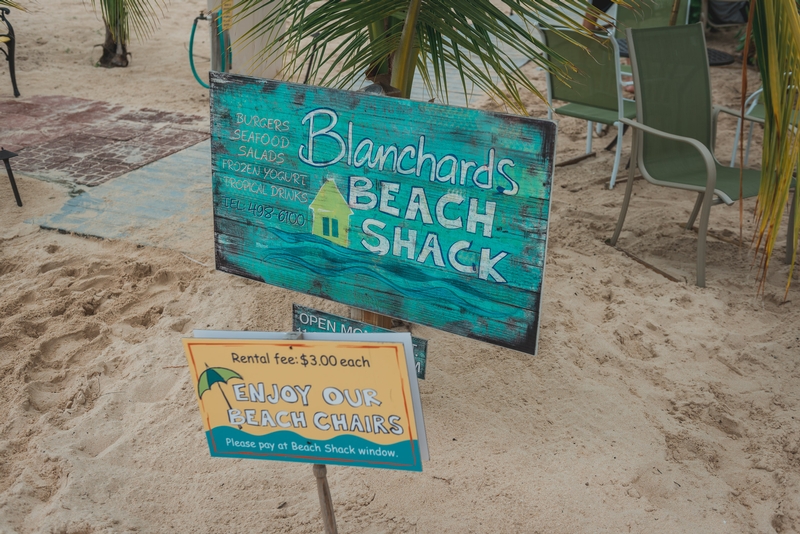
x=727, y=178
x=595, y=114
x=759, y=112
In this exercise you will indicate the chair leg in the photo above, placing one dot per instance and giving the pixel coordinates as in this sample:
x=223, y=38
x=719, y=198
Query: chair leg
x=736, y=141
x=702, y=233
x=707, y=197
x=695, y=211
x=791, y=237
x=613, y=142
x=617, y=156
x=13, y=183
x=589, y=139
x=11, y=46
x=628, y=189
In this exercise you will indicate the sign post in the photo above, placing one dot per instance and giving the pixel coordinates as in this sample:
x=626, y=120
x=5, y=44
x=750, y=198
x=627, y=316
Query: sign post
x=314, y=398
x=325, y=500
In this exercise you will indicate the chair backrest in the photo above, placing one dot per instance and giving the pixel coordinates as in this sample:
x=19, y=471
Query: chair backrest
x=649, y=14
x=673, y=91
x=754, y=105
x=597, y=81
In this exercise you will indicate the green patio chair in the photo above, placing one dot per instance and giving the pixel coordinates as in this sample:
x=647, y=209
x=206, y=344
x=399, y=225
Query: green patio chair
x=594, y=93
x=649, y=14
x=674, y=132
x=755, y=113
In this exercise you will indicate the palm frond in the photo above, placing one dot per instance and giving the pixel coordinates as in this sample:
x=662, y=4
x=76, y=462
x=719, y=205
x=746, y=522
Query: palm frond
x=477, y=39
x=12, y=3
x=776, y=34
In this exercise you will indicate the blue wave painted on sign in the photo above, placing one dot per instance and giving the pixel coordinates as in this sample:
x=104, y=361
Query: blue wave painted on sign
x=347, y=262
x=285, y=445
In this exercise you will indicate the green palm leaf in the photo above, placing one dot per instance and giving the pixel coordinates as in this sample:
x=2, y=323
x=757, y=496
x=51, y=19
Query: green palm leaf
x=11, y=3
x=392, y=38
x=124, y=17
x=776, y=34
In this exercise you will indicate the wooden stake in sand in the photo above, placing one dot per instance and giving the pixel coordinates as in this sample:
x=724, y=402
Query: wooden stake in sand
x=371, y=375
x=325, y=500
x=577, y=159
x=375, y=319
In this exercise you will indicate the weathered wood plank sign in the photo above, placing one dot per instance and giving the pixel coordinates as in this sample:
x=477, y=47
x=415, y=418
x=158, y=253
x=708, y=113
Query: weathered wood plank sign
x=310, y=320
x=433, y=214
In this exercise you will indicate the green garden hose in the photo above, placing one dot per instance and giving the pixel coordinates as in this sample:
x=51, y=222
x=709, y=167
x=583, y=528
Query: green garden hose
x=225, y=56
x=191, y=48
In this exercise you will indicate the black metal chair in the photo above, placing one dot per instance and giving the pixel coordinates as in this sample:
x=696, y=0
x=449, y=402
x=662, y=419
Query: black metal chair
x=5, y=155
x=7, y=39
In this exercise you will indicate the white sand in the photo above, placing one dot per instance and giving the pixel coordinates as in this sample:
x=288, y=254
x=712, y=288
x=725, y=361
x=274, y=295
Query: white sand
x=653, y=406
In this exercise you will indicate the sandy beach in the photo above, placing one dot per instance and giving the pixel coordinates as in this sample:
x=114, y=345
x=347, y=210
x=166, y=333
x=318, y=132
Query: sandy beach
x=653, y=405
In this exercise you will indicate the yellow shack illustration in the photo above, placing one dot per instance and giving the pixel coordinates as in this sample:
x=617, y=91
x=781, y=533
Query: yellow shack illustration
x=331, y=214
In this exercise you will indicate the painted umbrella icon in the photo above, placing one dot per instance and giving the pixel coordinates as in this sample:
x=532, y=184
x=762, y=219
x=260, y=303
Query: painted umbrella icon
x=219, y=376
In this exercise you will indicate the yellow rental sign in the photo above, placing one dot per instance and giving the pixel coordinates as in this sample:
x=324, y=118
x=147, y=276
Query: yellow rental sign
x=325, y=401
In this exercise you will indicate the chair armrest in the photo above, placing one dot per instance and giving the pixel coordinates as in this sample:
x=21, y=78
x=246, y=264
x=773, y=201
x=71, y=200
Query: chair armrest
x=708, y=158
x=722, y=109
x=716, y=110
x=703, y=149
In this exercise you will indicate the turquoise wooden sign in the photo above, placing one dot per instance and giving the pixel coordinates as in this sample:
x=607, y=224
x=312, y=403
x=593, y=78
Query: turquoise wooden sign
x=310, y=320
x=433, y=214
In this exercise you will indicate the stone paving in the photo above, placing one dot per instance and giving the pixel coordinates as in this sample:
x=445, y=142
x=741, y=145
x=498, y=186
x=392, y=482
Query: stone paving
x=87, y=142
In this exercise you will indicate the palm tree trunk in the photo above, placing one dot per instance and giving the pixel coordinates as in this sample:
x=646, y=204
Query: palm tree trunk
x=405, y=57
x=115, y=52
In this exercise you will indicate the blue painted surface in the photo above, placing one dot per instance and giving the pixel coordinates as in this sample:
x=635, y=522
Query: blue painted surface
x=448, y=229
x=352, y=450
x=159, y=204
